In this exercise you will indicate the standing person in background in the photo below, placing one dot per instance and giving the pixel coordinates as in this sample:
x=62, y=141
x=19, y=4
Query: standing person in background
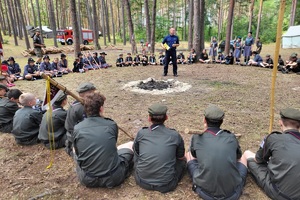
x=258, y=45
x=37, y=43
x=238, y=50
x=249, y=41
x=213, y=49
x=169, y=44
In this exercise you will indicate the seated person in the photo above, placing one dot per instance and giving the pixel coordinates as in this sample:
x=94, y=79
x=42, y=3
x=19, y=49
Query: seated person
x=27, y=121
x=46, y=67
x=128, y=60
x=276, y=165
x=181, y=58
x=280, y=61
x=31, y=71
x=56, y=68
x=137, y=60
x=99, y=162
x=78, y=65
x=214, y=162
x=14, y=69
x=268, y=63
x=229, y=59
x=63, y=64
x=95, y=62
x=8, y=108
x=158, y=153
x=103, y=63
x=161, y=58
x=120, y=61
x=293, y=65
x=144, y=59
x=58, y=122
x=192, y=56
x=220, y=58
x=204, y=57
x=88, y=60
x=6, y=74
x=256, y=61
x=3, y=90
x=152, y=59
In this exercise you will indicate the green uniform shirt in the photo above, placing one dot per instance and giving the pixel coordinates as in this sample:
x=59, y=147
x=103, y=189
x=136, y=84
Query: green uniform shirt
x=26, y=123
x=7, y=110
x=58, y=119
x=217, y=152
x=281, y=153
x=156, y=149
x=75, y=114
x=95, y=140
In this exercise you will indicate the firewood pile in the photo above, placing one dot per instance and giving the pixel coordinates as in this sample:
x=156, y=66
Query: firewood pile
x=55, y=50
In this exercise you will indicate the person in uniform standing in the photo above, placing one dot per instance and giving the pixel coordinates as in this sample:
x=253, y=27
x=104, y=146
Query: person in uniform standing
x=8, y=108
x=214, y=160
x=37, y=44
x=99, y=162
x=169, y=44
x=249, y=41
x=26, y=122
x=158, y=153
x=76, y=114
x=237, y=50
x=58, y=124
x=213, y=51
x=276, y=165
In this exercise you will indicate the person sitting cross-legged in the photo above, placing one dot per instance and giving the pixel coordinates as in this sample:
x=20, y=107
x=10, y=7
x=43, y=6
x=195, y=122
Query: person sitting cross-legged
x=276, y=165
x=257, y=60
x=214, y=160
x=99, y=162
x=158, y=153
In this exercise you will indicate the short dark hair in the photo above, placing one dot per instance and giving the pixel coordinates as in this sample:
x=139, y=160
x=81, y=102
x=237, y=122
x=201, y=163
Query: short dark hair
x=213, y=123
x=93, y=103
x=291, y=123
x=158, y=119
x=14, y=93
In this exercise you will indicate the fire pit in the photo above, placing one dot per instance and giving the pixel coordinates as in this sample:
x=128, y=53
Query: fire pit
x=156, y=87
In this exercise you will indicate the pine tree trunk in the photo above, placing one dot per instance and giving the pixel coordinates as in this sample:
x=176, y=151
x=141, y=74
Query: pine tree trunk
x=251, y=14
x=33, y=14
x=293, y=12
x=52, y=20
x=79, y=21
x=39, y=19
x=112, y=22
x=89, y=13
x=95, y=26
x=107, y=21
x=147, y=14
x=8, y=20
x=185, y=19
x=123, y=24
x=259, y=18
x=191, y=17
x=174, y=15
x=119, y=32
x=18, y=23
x=202, y=25
x=2, y=20
x=130, y=26
x=229, y=24
x=63, y=14
x=23, y=24
x=75, y=27
x=103, y=21
x=57, y=14
x=220, y=20
x=9, y=5
x=197, y=40
x=153, y=26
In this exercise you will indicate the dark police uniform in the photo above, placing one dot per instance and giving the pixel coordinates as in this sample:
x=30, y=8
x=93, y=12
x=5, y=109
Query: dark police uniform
x=7, y=111
x=216, y=174
x=157, y=151
x=277, y=165
x=58, y=120
x=26, y=124
x=170, y=40
x=99, y=163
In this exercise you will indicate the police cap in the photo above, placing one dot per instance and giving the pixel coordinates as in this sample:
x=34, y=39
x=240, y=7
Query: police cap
x=290, y=113
x=83, y=87
x=157, y=109
x=213, y=112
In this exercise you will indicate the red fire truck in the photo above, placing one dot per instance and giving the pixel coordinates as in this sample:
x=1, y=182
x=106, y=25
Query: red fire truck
x=66, y=36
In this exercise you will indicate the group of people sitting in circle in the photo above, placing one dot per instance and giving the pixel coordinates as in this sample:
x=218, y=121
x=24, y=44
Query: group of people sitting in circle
x=157, y=156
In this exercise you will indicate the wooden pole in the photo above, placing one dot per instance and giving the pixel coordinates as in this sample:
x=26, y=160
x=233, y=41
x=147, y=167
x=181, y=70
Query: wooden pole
x=274, y=73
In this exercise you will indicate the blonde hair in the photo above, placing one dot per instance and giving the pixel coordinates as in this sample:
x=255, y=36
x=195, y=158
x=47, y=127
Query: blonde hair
x=26, y=98
x=56, y=59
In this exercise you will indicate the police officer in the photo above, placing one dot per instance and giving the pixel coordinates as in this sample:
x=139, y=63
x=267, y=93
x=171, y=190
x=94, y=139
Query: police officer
x=26, y=122
x=214, y=160
x=99, y=162
x=58, y=124
x=76, y=114
x=169, y=44
x=8, y=108
x=37, y=43
x=159, y=153
x=276, y=165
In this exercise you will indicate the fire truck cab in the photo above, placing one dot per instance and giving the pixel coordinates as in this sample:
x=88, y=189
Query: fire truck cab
x=66, y=36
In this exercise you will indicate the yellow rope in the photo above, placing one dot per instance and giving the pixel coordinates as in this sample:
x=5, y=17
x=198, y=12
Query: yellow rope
x=274, y=73
x=50, y=123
